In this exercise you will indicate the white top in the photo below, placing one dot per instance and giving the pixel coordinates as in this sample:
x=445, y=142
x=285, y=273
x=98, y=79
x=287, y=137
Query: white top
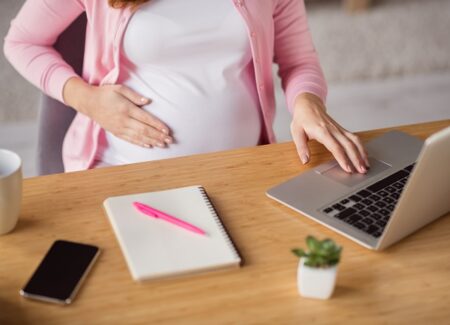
x=196, y=66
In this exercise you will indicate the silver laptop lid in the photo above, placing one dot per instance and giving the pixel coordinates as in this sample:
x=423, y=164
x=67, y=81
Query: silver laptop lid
x=426, y=195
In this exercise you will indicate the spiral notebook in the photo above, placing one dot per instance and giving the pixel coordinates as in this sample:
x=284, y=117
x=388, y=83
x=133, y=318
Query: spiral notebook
x=154, y=248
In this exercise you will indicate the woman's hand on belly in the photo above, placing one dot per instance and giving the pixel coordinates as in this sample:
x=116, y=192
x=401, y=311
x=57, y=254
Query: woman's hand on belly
x=310, y=121
x=118, y=109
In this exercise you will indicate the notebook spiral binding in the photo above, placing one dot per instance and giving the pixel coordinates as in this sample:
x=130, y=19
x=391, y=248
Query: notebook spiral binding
x=218, y=221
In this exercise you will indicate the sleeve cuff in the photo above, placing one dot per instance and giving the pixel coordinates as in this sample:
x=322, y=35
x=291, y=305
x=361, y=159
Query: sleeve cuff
x=58, y=80
x=292, y=94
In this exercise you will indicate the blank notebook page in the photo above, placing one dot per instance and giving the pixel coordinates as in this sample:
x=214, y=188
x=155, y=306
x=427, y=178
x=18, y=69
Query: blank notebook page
x=154, y=248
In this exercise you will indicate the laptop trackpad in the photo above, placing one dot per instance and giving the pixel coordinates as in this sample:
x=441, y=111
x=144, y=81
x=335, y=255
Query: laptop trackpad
x=335, y=172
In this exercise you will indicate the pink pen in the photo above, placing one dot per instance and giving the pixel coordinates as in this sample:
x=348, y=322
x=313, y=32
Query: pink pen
x=152, y=212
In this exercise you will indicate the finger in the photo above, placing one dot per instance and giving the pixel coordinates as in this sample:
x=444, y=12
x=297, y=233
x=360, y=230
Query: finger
x=145, y=134
x=131, y=95
x=149, y=119
x=301, y=143
x=358, y=143
x=131, y=139
x=328, y=140
x=140, y=139
x=352, y=151
x=149, y=131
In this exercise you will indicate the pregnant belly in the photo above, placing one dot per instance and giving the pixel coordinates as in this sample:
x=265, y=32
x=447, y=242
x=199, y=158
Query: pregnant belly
x=198, y=122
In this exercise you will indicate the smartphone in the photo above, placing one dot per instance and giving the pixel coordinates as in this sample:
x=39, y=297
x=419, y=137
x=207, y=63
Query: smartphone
x=60, y=274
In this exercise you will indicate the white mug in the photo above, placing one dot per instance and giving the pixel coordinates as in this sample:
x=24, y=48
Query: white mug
x=10, y=190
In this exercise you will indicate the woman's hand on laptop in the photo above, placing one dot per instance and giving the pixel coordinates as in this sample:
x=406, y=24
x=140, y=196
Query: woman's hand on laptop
x=311, y=122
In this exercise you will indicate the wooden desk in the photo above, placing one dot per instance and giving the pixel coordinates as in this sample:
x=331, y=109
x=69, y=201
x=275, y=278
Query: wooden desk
x=408, y=283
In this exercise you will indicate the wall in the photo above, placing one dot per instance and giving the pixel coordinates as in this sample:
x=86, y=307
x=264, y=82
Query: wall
x=18, y=99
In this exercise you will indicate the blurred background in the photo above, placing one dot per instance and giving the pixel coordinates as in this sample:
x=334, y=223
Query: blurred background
x=386, y=65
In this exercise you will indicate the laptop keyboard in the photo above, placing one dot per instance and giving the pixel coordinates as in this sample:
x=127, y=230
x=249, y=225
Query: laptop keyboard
x=370, y=208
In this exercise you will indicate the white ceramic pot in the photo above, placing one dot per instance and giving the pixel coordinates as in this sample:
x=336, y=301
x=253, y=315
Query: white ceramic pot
x=316, y=282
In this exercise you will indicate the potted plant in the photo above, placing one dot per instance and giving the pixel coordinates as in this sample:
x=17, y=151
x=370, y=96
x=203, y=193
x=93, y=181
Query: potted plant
x=317, y=268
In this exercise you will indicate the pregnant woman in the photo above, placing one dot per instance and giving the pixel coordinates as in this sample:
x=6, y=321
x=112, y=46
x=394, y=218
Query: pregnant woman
x=166, y=78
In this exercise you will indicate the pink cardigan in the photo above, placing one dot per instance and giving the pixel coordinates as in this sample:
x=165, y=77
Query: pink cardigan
x=277, y=29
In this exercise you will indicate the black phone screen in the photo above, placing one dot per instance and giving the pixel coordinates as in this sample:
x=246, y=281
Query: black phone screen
x=59, y=273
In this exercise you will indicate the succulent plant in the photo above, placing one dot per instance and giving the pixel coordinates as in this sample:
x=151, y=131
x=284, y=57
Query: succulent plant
x=321, y=253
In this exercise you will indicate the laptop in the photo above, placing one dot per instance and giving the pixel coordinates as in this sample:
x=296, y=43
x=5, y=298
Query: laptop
x=407, y=187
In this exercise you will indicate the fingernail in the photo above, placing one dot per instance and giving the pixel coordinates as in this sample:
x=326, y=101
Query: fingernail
x=348, y=169
x=144, y=100
x=160, y=144
x=304, y=158
x=362, y=169
x=147, y=145
x=168, y=140
x=165, y=131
